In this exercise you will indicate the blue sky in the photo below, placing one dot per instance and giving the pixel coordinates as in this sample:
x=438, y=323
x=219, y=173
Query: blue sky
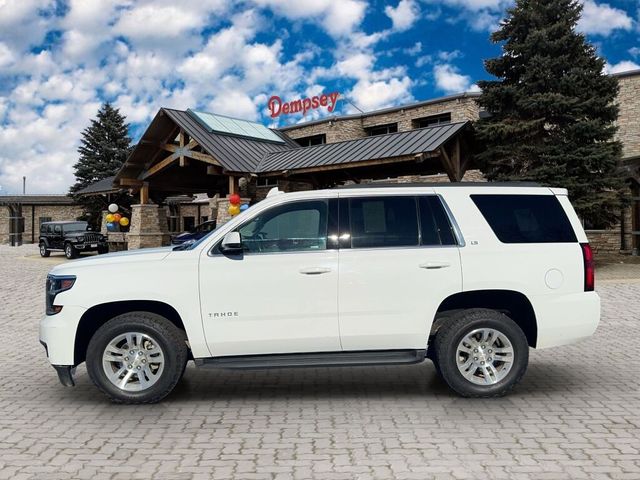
x=60, y=59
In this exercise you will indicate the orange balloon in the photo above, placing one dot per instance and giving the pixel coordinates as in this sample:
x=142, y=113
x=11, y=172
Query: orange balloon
x=116, y=217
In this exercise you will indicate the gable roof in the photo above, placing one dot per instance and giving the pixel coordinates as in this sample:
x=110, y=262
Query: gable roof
x=101, y=186
x=235, y=153
x=400, y=144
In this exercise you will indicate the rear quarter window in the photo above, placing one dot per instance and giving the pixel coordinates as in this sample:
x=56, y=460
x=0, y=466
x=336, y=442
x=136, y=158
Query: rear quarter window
x=526, y=218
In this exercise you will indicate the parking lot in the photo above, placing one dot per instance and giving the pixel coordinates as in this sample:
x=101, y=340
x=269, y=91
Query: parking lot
x=576, y=415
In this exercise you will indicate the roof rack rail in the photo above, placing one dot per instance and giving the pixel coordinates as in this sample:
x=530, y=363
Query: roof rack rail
x=439, y=184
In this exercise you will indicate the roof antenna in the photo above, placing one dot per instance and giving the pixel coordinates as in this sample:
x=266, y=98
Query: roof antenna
x=353, y=104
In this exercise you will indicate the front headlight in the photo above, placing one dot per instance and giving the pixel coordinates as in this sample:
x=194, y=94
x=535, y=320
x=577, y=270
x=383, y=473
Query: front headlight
x=56, y=285
x=80, y=239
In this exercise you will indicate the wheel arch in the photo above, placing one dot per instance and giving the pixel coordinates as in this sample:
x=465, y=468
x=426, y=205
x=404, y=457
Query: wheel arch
x=98, y=315
x=515, y=304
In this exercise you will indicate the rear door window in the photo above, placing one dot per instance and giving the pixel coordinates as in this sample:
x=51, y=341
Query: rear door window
x=526, y=218
x=435, y=228
x=383, y=221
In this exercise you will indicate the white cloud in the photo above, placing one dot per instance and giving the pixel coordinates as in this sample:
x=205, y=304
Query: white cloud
x=603, y=19
x=450, y=80
x=368, y=95
x=404, y=15
x=337, y=17
x=623, y=66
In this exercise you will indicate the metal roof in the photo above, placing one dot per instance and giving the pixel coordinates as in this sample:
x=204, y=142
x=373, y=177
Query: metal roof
x=101, y=186
x=235, y=153
x=439, y=185
x=421, y=140
x=37, y=199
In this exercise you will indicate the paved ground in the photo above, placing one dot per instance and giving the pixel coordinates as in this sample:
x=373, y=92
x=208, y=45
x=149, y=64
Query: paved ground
x=576, y=414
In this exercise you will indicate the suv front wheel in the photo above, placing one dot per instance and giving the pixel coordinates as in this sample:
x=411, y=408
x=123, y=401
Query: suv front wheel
x=70, y=251
x=44, y=251
x=481, y=353
x=137, y=357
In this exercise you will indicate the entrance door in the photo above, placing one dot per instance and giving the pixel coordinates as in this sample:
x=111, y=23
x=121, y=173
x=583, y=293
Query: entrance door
x=281, y=295
x=402, y=261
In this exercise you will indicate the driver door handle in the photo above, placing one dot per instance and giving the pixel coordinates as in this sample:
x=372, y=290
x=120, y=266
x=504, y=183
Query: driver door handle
x=314, y=270
x=434, y=265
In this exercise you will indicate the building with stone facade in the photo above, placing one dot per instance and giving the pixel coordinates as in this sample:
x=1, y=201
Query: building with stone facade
x=21, y=215
x=188, y=153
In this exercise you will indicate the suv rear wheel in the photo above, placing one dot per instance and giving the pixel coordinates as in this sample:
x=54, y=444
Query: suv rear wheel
x=481, y=353
x=44, y=252
x=137, y=357
x=70, y=251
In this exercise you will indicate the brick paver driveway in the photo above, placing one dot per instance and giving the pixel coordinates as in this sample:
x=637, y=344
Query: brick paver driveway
x=576, y=414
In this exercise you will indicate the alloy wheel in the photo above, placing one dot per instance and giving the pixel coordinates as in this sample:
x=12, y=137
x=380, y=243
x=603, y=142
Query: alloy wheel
x=484, y=356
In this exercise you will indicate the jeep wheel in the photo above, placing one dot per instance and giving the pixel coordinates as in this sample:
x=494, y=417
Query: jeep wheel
x=70, y=251
x=43, y=250
x=137, y=357
x=103, y=250
x=481, y=353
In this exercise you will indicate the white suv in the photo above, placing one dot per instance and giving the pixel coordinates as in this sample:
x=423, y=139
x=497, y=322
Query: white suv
x=467, y=275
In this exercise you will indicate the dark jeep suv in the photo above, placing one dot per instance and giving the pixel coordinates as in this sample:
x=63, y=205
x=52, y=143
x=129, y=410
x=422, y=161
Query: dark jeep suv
x=70, y=237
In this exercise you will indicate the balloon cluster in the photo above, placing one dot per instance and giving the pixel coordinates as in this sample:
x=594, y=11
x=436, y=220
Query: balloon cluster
x=115, y=220
x=234, y=205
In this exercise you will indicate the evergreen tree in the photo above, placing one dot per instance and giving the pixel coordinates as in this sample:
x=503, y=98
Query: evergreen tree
x=552, y=109
x=103, y=149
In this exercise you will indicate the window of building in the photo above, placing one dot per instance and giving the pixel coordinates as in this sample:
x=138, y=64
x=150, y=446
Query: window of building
x=189, y=223
x=432, y=120
x=525, y=218
x=173, y=219
x=269, y=182
x=383, y=222
x=435, y=228
x=312, y=140
x=589, y=224
x=382, y=129
x=293, y=227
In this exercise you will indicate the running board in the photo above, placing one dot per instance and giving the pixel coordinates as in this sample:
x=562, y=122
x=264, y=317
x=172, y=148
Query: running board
x=321, y=359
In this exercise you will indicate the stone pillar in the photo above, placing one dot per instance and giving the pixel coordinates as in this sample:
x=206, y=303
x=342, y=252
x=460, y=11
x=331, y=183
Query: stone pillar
x=103, y=222
x=223, y=209
x=148, y=227
x=4, y=225
x=212, y=211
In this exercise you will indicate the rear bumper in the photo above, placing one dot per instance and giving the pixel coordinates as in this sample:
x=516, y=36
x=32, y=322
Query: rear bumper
x=566, y=319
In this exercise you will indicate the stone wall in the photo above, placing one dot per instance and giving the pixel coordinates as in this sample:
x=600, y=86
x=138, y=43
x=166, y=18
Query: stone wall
x=148, y=227
x=629, y=116
x=337, y=130
x=32, y=216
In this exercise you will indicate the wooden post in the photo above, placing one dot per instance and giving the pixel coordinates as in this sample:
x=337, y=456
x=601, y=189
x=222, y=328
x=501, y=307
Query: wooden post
x=457, y=165
x=233, y=185
x=144, y=193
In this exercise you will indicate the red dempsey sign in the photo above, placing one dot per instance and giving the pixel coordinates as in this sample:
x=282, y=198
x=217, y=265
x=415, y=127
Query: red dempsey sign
x=277, y=107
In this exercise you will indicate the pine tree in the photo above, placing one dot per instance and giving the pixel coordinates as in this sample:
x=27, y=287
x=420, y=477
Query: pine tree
x=103, y=149
x=552, y=109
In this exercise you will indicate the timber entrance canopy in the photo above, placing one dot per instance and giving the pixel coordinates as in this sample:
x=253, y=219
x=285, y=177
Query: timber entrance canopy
x=196, y=152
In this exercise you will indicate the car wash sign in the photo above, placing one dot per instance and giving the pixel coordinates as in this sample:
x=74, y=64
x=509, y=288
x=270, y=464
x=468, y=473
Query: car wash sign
x=277, y=107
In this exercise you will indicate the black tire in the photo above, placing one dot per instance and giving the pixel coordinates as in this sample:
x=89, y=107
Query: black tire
x=171, y=340
x=44, y=251
x=103, y=250
x=460, y=325
x=70, y=251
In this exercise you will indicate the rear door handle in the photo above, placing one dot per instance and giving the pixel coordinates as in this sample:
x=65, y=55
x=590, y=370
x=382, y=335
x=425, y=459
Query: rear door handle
x=314, y=270
x=434, y=265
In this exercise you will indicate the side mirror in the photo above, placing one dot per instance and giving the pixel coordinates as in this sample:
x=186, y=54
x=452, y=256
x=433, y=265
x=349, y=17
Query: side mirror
x=231, y=243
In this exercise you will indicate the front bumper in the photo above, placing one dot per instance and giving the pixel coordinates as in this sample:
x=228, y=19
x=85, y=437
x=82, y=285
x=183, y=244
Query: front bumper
x=58, y=333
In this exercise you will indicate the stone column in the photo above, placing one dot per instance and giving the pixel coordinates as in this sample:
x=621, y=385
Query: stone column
x=103, y=222
x=223, y=210
x=213, y=207
x=148, y=227
x=4, y=225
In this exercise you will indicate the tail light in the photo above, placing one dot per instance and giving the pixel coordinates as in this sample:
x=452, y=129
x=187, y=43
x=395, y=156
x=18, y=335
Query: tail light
x=589, y=268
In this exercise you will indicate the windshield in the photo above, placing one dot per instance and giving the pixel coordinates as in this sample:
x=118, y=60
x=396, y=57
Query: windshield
x=74, y=227
x=192, y=245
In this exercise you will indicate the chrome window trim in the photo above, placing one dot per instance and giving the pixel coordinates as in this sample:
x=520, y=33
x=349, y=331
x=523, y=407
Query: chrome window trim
x=454, y=224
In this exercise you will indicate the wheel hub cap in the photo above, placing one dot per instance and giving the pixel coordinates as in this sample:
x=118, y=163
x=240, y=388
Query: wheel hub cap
x=133, y=361
x=484, y=356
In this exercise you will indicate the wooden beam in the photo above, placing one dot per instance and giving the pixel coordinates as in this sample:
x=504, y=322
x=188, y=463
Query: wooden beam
x=161, y=165
x=448, y=165
x=203, y=157
x=144, y=193
x=213, y=170
x=130, y=182
x=184, y=161
x=456, y=159
x=233, y=185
